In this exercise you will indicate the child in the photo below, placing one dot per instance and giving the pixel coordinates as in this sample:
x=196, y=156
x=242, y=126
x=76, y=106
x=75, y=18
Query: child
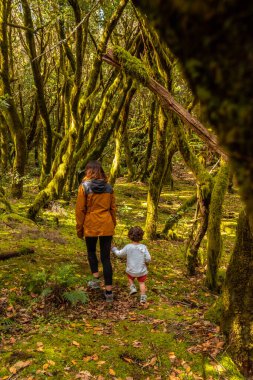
x=137, y=256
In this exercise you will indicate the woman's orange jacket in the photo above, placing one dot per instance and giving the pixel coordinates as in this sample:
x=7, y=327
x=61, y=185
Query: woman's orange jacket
x=95, y=209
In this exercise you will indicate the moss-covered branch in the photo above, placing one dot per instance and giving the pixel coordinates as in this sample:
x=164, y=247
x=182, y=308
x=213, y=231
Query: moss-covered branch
x=132, y=66
x=173, y=219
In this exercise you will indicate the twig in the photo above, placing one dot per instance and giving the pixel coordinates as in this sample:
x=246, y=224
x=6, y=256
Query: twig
x=71, y=33
x=213, y=358
x=214, y=166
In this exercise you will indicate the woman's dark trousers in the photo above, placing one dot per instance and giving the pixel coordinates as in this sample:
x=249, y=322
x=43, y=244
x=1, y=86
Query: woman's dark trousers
x=105, y=249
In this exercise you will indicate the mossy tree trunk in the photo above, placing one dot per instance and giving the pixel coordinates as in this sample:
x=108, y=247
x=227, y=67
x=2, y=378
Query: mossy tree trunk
x=115, y=168
x=173, y=219
x=214, y=239
x=237, y=318
x=150, y=132
x=218, y=63
x=128, y=156
x=3, y=145
x=38, y=81
x=98, y=145
x=156, y=179
x=204, y=190
x=91, y=130
x=11, y=114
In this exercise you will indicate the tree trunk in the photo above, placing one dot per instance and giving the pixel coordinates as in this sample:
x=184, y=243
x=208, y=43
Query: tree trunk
x=237, y=318
x=207, y=42
x=204, y=190
x=11, y=114
x=156, y=179
x=3, y=145
x=120, y=135
x=214, y=239
x=128, y=156
x=151, y=126
x=38, y=81
x=173, y=219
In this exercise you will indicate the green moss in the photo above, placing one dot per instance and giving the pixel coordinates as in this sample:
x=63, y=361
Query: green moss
x=131, y=65
x=162, y=328
x=215, y=312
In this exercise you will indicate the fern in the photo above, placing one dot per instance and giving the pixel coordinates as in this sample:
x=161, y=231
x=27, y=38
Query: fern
x=65, y=276
x=6, y=321
x=35, y=282
x=75, y=296
x=45, y=292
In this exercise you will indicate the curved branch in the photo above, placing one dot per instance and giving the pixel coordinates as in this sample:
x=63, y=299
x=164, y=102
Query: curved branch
x=122, y=60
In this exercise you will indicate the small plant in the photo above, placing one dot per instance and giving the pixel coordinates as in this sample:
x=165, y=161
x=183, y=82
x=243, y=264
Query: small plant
x=58, y=286
x=75, y=297
x=35, y=282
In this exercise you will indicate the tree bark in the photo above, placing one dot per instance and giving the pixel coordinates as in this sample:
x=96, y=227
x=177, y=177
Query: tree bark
x=204, y=190
x=38, y=81
x=237, y=318
x=214, y=238
x=156, y=179
x=115, y=168
x=173, y=219
x=11, y=114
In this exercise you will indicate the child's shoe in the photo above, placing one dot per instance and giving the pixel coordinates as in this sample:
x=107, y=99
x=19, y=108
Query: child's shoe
x=94, y=284
x=108, y=297
x=133, y=289
x=143, y=298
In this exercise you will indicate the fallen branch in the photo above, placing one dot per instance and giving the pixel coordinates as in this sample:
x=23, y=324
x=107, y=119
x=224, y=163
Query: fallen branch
x=21, y=252
x=123, y=60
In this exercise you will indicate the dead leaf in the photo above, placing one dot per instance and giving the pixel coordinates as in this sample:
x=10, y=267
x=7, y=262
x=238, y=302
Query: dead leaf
x=112, y=372
x=136, y=343
x=87, y=359
x=51, y=362
x=172, y=356
x=153, y=361
x=19, y=365
x=76, y=343
x=128, y=360
x=40, y=347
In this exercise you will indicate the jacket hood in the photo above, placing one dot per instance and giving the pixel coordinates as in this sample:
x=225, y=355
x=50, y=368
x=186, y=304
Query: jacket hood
x=98, y=185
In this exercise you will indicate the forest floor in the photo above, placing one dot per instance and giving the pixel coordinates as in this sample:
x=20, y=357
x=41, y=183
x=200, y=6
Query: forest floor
x=171, y=337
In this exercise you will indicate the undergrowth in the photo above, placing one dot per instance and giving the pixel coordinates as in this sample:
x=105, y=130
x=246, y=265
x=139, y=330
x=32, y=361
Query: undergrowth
x=52, y=326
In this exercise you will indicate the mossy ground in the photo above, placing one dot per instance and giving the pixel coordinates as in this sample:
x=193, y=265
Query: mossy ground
x=167, y=339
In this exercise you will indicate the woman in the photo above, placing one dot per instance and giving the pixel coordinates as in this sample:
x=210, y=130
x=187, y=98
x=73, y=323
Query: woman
x=96, y=219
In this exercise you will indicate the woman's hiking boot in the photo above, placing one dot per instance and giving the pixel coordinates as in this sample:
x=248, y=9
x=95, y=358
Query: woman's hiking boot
x=133, y=289
x=108, y=297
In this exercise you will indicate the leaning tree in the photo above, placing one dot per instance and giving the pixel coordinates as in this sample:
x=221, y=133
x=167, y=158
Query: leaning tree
x=214, y=44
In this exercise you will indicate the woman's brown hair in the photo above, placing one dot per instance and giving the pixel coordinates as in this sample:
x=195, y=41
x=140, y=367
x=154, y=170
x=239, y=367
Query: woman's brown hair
x=94, y=170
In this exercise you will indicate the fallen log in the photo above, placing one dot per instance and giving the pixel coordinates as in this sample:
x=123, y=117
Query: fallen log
x=21, y=252
x=123, y=60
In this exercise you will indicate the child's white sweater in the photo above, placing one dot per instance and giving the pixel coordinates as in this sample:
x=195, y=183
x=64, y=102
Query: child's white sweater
x=137, y=257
